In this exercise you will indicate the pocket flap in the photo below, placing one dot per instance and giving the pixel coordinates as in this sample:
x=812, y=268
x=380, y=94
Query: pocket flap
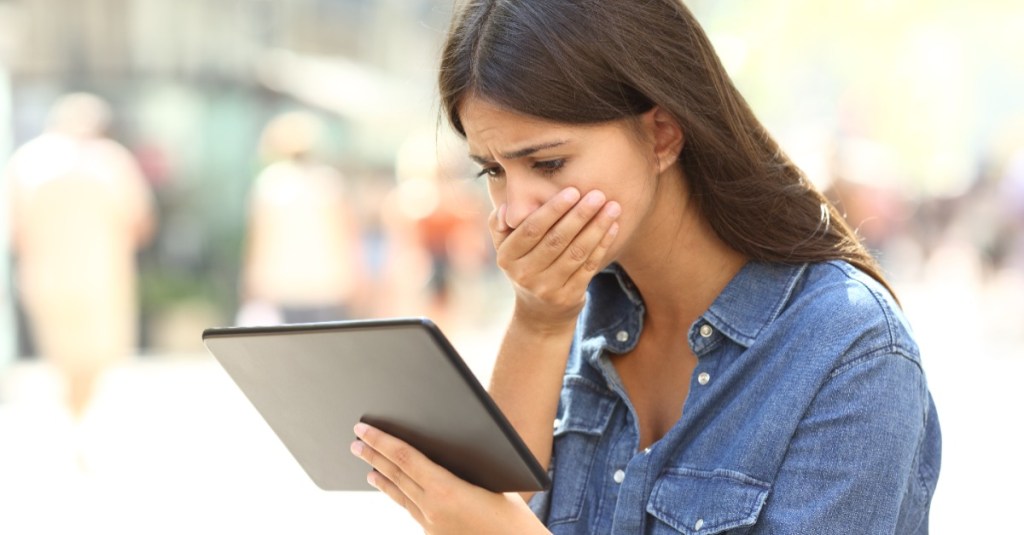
x=702, y=501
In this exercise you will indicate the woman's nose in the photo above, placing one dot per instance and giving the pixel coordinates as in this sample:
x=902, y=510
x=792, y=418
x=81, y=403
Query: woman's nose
x=521, y=199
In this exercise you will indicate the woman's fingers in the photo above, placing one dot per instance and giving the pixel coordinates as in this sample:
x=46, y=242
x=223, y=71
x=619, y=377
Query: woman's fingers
x=393, y=459
x=559, y=239
x=569, y=245
x=583, y=229
x=385, y=485
x=548, y=233
x=516, y=243
x=587, y=269
x=548, y=255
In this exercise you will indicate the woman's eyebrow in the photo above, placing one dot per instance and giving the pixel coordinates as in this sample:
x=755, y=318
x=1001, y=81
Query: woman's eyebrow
x=520, y=153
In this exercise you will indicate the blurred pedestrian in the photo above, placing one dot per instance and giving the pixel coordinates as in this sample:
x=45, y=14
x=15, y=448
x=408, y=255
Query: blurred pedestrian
x=303, y=259
x=81, y=209
x=439, y=221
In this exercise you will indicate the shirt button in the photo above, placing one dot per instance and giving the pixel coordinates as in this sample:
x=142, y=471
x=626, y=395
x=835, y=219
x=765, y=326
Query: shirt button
x=699, y=524
x=703, y=378
x=558, y=423
x=622, y=336
x=706, y=330
x=619, y=476
x=647, y=450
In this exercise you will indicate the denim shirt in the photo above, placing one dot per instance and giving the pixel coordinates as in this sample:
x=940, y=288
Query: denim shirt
x=808, y=412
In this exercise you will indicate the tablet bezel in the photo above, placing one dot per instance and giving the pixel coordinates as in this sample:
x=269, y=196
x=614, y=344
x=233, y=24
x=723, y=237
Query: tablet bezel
x=529, y=476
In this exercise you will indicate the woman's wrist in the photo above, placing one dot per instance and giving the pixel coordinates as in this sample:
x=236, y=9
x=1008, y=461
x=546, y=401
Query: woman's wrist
x=541, y=328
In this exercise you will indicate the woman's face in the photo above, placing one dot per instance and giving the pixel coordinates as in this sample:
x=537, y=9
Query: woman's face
x=526, y=161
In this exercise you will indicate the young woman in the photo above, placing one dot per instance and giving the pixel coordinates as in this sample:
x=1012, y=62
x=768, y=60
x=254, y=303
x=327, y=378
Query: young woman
x=716, y=349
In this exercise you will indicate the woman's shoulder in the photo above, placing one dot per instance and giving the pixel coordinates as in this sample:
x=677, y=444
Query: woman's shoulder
x=845, y=305
x=839, y=284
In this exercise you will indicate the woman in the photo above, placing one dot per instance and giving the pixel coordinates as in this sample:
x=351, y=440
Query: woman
x=716, y=349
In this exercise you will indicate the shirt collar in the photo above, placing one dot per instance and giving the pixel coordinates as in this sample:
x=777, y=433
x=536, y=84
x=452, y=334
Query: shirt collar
x=753, y=299
x=613, y=316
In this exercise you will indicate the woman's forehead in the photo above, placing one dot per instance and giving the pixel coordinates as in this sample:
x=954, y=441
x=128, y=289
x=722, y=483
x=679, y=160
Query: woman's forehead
x=490, y=127
x=478, y=114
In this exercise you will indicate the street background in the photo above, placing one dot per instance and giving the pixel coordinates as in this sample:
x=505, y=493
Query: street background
x=908, y=113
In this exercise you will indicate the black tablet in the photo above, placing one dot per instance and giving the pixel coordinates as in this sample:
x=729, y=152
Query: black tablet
x=313, y=382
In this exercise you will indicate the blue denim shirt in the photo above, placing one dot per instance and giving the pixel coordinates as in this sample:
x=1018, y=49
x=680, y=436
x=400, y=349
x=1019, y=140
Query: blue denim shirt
x=808, y=412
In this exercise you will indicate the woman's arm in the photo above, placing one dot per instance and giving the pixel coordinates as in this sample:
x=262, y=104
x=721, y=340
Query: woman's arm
x=858, y=461
x=550, y=259
x=527, y=381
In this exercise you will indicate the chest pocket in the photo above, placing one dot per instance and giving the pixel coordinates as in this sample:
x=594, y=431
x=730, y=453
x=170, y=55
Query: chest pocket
x=586, y=409
x=701, y=501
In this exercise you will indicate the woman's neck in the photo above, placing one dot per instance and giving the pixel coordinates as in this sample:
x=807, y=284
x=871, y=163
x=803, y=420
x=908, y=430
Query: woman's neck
x=680, y=266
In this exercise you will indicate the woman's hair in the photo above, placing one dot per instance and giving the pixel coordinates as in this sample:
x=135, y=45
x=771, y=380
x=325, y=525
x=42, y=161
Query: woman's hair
x=591, y=61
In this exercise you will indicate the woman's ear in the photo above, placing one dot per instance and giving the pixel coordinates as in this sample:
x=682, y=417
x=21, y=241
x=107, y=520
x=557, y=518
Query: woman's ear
x=666, y=134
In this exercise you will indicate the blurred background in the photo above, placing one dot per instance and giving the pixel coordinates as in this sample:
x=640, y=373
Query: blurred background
x=227, y=162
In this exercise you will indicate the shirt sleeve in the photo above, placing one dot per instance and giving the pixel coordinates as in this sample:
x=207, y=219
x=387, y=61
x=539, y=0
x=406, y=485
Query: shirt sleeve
x=852, y=464
x=539, y=503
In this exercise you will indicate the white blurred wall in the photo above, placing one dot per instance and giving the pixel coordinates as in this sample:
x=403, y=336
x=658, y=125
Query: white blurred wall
x=7, y=334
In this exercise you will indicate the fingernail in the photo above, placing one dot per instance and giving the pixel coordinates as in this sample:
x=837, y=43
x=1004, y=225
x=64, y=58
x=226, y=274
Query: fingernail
x=613, y=230
x=595, y=198
x=357, y=448
x=360, y=429
x=614, y=209
x=371, y=478
x=571, y=194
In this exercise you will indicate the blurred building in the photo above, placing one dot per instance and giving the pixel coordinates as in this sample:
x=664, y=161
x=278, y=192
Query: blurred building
x=193, y=81
x=131, y=45
x=213, y=38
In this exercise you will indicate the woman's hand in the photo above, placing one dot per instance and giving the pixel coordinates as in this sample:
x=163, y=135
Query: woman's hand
x=439, y=501
x=552, y=255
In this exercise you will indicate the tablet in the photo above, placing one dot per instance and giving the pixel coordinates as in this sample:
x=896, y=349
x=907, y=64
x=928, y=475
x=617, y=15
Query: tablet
x=313, y=382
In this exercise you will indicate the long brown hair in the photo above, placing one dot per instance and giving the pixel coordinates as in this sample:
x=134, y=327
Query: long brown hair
x=591, y=61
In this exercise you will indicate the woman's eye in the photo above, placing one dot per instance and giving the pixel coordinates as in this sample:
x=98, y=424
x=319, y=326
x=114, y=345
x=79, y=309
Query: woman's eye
x=549, y=166
x=491, y=172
